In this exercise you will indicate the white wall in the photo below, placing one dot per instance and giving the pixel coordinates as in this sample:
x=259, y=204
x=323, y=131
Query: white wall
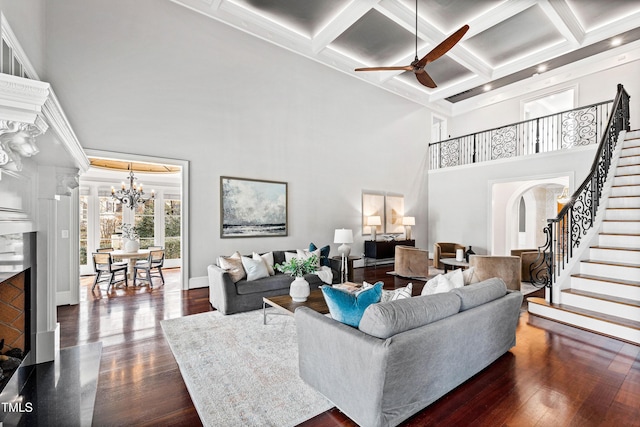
x=149, y=77
x=460, y=208
x=591, y=89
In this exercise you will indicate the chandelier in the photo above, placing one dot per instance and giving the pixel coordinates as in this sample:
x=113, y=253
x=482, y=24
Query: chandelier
x=132, y=196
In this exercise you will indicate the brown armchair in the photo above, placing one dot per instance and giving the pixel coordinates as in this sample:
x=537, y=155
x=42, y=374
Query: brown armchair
x=527, y=258
x=411, y=262
x=505, y=267
x=444, y=250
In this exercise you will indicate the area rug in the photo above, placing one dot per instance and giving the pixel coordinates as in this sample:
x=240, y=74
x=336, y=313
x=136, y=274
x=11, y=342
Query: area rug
x=240, y=372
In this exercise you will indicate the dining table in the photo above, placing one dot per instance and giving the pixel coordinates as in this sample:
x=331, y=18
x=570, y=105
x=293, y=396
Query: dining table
x=131, y=257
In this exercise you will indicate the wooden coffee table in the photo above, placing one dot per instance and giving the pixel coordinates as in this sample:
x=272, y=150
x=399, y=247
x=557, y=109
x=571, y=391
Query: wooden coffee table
x=285, y=305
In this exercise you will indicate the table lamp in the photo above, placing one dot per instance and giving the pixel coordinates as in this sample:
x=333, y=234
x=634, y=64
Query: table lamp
x=343, y=236
x=373, y=222
x=408, y=221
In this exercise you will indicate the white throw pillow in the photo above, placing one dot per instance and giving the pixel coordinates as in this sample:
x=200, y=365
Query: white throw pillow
x=256, y=269
x=267, y=259
x=400, y=293
x=456, y=277
x=305, y=253
x=469, y=276
x=430, y=287
x=288, y=256
x=444, y=285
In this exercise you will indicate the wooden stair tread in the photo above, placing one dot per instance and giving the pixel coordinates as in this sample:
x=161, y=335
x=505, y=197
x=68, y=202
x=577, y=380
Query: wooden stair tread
x=588, y=313
x=620, y=234
x=603, y=297
x=616, y=264
x=615, y=248
x=607, y=279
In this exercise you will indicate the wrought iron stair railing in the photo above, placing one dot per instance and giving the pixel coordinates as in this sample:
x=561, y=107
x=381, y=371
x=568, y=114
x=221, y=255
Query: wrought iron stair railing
x=561, y=131
x=565, y=232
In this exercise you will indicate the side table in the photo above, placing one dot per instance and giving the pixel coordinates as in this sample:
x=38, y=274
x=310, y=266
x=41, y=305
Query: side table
x=350, y=260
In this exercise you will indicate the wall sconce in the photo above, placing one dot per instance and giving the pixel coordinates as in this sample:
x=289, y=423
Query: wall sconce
x=408, y=221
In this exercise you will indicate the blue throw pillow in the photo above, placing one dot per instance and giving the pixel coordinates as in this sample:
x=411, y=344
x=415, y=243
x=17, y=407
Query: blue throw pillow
x=347, y=307
x=324, y=253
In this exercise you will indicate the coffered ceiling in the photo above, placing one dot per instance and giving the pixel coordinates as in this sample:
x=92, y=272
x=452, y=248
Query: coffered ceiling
x=508, y=41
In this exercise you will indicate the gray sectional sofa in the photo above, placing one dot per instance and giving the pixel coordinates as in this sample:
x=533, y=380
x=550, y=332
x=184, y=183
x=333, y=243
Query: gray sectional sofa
x=407, y=353
x=229, y=297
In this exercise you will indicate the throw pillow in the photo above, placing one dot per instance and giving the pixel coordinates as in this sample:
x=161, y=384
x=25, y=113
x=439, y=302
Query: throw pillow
x=348, y=307
x=268, y=261
x=454, y=279
x=469, y=276
x=233, y=266
x=324, y=253
x=255, y=269
x=288, y=256
x=304, y=254
x=400, y=293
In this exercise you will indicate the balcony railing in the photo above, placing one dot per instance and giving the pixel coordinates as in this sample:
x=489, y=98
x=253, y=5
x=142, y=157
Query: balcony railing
x=561, y=131
x=566, y=231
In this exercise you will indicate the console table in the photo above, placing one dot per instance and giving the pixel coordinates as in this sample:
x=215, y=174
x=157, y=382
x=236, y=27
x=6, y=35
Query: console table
x=382, y=249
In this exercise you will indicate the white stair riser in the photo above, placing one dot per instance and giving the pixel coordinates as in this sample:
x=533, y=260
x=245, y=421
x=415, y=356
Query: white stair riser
x=630, y=227
x=630, y=150
x=618, y=241
x=622, y=332
x=624, y=202
x=606, y=288
x=627, y=180
x=622, y=214
x=606, y=307
x=625, y=191
x=610, y=271
x=627, y=170
x=615, y=255
x=629, y=159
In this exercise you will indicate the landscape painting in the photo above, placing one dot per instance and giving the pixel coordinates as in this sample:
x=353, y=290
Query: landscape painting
x=252, y=208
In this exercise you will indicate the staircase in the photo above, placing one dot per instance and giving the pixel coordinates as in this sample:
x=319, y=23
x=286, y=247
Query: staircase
x=604, y=296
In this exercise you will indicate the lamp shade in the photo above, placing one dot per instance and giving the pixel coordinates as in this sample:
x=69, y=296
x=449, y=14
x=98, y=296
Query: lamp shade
x=343, y=235
x=374, y=220
x=409, y=220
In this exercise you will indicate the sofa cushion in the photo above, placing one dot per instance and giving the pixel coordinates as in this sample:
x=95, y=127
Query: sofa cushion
x=233, y=266
x=347, y=307
x=390, y=318
x=324, y=253
x=396, y=294
x=255, y=268
x=480, y=293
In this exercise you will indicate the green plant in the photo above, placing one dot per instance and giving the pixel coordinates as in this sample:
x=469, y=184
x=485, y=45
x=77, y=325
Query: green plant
x=297, y=267
x=129, y=232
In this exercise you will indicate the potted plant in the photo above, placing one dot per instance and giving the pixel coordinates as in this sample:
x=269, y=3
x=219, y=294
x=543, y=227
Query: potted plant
x=297, y=267
x=130, y=238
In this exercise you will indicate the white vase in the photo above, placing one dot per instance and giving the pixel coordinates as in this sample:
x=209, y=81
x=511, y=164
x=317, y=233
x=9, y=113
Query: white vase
x=299, y=289
x=131, y=245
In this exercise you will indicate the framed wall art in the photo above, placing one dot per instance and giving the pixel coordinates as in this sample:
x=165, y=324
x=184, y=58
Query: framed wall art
x=252, y=208
x=394, y=211
x=372, y=205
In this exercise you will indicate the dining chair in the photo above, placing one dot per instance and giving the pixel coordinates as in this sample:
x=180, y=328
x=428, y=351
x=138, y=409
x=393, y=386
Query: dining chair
x=155, y=248
x=104, y=266
x=155, y=261
x=104, y=250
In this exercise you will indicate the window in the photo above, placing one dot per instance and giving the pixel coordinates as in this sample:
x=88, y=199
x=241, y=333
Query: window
x=84, y=218
x=172, y=209
x=144, y=222
x=110, y=223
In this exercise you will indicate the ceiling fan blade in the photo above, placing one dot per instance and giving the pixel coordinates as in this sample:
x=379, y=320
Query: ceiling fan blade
x=404, y=68
x=443, y=47
x=424, y=78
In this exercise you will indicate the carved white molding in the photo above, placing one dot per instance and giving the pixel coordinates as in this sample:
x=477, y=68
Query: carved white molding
x=66, y=181
x=18, y=140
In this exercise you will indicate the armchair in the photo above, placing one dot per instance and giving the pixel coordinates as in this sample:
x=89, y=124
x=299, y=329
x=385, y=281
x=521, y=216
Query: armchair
x=411, y=262
x=444, y=250
x=505, y=267
x=527, y=258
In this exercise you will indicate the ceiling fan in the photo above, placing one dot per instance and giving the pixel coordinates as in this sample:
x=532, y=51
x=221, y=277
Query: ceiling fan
x=417, y=66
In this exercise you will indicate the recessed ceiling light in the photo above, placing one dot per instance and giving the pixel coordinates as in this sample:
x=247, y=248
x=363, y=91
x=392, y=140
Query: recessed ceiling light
x=542, y=68
x=487, y=88
x=617, y=41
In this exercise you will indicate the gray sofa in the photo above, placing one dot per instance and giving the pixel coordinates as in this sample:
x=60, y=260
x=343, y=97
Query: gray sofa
x=406, y=353
x=228, y=297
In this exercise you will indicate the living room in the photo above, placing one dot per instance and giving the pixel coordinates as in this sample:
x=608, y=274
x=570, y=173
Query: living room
x=156, y=79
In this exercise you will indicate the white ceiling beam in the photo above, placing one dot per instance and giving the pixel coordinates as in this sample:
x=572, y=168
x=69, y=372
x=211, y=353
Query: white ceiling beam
x=340, y=23
x=561, y=15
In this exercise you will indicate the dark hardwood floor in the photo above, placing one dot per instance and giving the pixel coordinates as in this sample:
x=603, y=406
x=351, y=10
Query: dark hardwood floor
x=555, y=376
